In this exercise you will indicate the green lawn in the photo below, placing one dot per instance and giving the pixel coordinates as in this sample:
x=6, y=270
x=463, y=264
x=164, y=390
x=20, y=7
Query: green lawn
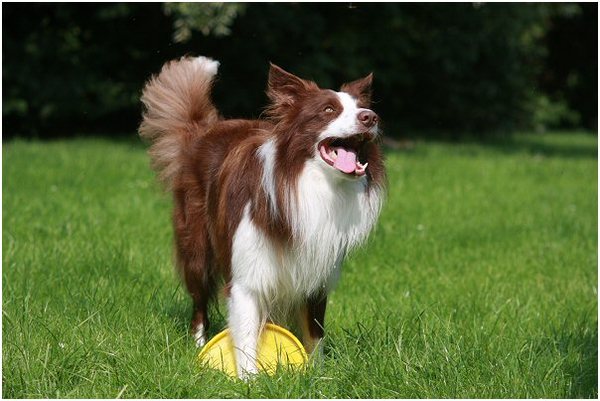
x=480, y=280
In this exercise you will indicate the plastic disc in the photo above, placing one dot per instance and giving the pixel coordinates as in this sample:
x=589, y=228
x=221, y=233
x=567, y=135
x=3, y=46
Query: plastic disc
x=276, y=347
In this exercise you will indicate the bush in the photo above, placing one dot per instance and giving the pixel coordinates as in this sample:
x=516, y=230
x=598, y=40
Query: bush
x=440, y=69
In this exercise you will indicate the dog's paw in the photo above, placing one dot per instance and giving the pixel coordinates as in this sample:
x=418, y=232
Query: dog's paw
x=317, y=354
x=247, y=374
x=199, y=336
x=246, y=365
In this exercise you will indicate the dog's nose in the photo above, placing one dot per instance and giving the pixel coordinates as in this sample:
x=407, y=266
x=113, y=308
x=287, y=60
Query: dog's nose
x=368, y=118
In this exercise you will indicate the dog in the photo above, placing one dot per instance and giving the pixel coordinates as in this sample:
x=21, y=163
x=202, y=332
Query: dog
x=273, y=205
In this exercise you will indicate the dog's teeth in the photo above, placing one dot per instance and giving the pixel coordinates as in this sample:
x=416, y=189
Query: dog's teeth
x=333, y=154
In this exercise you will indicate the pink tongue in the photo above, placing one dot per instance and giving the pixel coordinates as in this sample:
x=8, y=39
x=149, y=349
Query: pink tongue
x=346, y=160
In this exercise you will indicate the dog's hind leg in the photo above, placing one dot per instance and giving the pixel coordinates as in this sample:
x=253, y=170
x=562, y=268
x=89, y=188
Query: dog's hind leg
x=200, y=286
x=312, y=322
x=194, y=257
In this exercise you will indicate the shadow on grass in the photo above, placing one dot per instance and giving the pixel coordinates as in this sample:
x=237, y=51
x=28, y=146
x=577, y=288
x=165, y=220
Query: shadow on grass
x=545, y=146
x=180, y=312
x=131, y=140
x=584, y=374
x=576, y=144
x=576, y=351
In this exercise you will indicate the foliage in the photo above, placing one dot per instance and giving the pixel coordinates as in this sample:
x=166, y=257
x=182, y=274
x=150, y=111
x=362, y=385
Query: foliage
x=77, y=66
x=571, y=65
x=549, y=113
x=208, y=18
x=480, y=280
x=439, y=68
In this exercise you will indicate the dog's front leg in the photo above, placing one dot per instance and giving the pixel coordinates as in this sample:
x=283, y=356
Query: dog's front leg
x=312, y=322
x=245, y=323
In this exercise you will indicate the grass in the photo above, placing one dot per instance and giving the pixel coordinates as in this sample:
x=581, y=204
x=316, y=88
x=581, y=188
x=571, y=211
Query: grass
x=480, y=280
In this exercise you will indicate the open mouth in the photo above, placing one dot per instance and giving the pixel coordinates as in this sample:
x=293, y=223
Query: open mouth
x=344, y=154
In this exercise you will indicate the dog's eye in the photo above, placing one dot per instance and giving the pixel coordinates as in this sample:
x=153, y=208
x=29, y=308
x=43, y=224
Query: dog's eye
x=328, y=109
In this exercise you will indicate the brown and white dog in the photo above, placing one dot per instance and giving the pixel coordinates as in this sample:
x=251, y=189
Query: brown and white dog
x=273, y=205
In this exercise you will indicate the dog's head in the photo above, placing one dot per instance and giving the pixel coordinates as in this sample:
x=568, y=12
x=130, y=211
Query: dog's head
x=337, y=128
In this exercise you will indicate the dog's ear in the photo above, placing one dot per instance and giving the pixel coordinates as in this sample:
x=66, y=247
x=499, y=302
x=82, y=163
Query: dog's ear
x=284, y=88
x=360, y=89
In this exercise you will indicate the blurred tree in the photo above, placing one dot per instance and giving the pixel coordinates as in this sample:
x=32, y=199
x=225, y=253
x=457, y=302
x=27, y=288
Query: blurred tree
x=439, y=69
x=570, y=76
x=208, y=18
x=78, y=67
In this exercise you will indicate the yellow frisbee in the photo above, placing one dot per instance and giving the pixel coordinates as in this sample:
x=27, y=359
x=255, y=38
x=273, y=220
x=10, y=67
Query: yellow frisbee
x=276, y=347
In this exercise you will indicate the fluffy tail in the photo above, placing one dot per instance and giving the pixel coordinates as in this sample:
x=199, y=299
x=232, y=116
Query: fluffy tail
x=177, y=107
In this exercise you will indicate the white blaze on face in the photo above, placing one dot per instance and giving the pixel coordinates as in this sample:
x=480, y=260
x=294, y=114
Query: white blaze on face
x=344, y=156
x=346, y=124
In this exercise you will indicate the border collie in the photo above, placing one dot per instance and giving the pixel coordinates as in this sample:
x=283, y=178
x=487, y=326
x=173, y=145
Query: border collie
x=273, y=205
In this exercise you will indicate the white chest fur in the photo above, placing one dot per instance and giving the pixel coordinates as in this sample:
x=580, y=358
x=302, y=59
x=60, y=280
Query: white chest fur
x=330, y=215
